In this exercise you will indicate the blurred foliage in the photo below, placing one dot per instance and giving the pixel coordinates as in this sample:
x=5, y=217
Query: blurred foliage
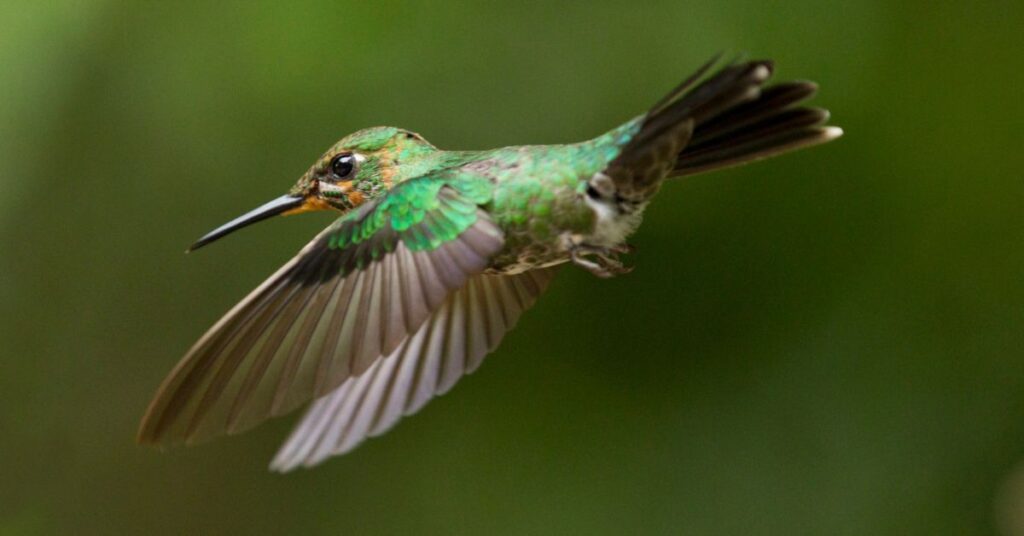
x=827, y=343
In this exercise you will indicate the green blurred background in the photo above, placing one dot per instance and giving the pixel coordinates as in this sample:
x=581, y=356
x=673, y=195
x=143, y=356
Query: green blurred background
x=827, y=343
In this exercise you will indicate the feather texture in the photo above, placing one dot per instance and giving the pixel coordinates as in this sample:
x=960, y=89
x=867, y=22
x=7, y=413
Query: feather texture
x=353, y=294
x=408, y=291
x=453, y=342
x=729, y=118
x=666, y=129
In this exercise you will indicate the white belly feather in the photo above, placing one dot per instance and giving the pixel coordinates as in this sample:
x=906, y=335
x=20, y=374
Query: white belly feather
x=612, y=227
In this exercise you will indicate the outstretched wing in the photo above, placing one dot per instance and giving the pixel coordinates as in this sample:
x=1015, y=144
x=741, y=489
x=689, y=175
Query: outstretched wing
x=453, y=342
x=353, y=294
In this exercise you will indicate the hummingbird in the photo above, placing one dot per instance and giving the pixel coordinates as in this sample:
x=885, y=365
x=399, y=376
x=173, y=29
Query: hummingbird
x=436, y=254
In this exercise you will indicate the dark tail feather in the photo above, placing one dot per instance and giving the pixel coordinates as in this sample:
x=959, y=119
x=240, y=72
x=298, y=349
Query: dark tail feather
x=727, y=119
x=771, y=123
x=669, y=126
x=684, y=85
x=777, y=134
x=772, y=99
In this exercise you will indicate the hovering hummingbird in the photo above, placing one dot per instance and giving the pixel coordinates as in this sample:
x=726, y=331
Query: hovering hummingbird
x=437, y=253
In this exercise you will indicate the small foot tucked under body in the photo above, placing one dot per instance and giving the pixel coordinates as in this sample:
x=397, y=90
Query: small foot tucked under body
x=601, y=261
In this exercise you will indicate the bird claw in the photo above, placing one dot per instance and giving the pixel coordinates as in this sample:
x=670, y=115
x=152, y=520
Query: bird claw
x=623, y=248
x=600, y=261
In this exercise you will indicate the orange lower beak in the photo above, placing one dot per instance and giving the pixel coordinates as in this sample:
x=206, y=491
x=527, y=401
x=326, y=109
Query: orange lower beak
x=310, y=204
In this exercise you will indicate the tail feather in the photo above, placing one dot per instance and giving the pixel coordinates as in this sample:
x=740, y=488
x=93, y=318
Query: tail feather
x=726, y=119
x=778, y=123
x=773, y=99
x=772, y=123
x=759, y=129
x=668, y=127
x=730, y=87
x=733, y=154
x=684, y=85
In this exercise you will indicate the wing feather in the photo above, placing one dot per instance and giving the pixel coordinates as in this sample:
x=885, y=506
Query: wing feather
x=356, y=292
x=450, y=344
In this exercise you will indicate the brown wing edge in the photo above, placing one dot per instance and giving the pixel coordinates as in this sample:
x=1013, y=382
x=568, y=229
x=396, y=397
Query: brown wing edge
x=211, y=390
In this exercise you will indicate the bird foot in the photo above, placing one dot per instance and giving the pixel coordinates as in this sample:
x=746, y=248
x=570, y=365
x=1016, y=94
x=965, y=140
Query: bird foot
x=601, y=261
x=623, y=248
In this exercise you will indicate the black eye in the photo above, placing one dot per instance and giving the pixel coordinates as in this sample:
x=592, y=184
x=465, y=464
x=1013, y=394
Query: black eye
x=342, y=165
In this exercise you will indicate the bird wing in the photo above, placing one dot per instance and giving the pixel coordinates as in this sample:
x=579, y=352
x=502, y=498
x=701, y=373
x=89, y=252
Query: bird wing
x=451, y=343
x=353, y=294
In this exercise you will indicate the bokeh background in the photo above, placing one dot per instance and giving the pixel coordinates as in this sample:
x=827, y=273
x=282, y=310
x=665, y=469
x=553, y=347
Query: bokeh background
x=827, y=343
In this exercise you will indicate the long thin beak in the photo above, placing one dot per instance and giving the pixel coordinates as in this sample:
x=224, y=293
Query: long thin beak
x=278, y=206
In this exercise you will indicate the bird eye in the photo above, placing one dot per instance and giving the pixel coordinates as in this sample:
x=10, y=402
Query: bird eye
x=342, y=165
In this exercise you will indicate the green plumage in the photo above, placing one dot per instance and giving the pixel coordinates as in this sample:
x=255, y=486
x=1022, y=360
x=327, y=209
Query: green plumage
x=413, y=211
x=531, y=192
x=436, y=255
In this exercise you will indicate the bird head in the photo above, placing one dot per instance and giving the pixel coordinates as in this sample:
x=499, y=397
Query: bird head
x=360, y=167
